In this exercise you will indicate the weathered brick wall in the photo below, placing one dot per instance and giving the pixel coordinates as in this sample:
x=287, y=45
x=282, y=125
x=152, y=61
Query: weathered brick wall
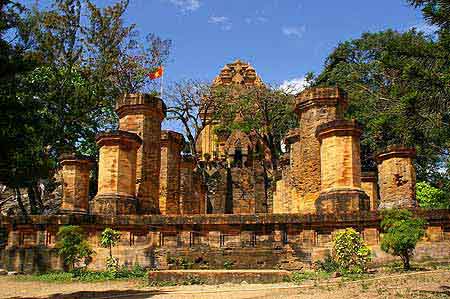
x=217, y=186
x=340, y=168
x=192, y=201
x=117, y=173
x=236, y=190
x=143, y=114
x=169, y=192
x=208, y=242
x=369, y=183
x=314, y=107
x=397, y=178
x=75, y=189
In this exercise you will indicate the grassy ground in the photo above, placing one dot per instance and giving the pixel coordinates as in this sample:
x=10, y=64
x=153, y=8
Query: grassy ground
x=425, y=281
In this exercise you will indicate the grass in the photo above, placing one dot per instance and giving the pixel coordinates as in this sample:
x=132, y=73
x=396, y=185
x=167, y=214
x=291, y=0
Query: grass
x=83, y=275
x=299, y=277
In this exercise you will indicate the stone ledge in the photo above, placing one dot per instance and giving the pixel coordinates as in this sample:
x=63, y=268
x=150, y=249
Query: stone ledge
x=171, y=137
x=342, y=200
x=72, y=158
x=140, y=101
x=118, y=137
x=319, y=96
x=369, y=176
x=339, y=128
x=436, y=216
x=114, y=204
x=221, y=276
x=292, y=137
x=395, y=151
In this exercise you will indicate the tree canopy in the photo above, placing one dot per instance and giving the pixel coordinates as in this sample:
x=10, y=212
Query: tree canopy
x=398, y=85
x=63, y=69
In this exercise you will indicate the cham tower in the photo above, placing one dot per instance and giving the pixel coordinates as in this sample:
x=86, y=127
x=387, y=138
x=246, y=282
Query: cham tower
x=240, y=74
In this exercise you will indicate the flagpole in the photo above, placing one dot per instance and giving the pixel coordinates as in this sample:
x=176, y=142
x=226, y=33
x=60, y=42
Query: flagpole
x=162, y=79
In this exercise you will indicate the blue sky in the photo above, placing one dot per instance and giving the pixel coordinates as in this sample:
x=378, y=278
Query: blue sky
x=283, y=39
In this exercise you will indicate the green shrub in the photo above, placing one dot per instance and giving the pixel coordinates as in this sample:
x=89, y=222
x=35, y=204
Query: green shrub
x=350, y=252
x=228, y=265
x=327, y=265
x=73, y=246
x=430, y=197
x=401, y=234
x=192, y=280
x=180, y=262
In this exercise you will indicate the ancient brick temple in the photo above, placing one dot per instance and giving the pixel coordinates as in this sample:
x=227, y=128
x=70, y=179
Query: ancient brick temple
x=169, y=214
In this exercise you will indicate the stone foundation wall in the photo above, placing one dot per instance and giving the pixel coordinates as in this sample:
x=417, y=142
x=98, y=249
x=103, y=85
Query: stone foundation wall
x=264, y=241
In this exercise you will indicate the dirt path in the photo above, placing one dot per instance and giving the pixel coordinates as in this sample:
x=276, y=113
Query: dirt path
x=433, y=284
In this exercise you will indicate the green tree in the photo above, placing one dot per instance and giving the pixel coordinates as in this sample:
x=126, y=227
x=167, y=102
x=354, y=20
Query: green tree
x=350, y=252
x=435, y=11
x=62, y=73
x=401, y=234
x=73, y=246
x=266, y=111
x=109, y=239
x=193, y=104
x=399, y=89
x=431, y=197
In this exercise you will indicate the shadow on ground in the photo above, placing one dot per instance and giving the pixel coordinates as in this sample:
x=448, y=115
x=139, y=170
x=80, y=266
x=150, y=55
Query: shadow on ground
x=128, y=294
x=442, y=292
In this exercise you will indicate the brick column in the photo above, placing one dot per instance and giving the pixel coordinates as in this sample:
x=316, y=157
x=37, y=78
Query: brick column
x=340, y=168
x=169, y=191
x=369, y=183
x=117, y=173
x=397, y=177
x=142, y=114
x=75, y=174
x=189, y=204
x=314, y=107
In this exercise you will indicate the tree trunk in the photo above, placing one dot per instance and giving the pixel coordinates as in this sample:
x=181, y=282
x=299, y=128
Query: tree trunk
x=32, y=200
x=20, y=202
x=406, y=264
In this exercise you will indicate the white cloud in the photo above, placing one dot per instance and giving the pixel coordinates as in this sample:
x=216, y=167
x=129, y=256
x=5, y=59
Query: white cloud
x=294, y=31
x=425, y=28
x=222, y=21
x=256, y=20
x=186, y=5
x=294, y=86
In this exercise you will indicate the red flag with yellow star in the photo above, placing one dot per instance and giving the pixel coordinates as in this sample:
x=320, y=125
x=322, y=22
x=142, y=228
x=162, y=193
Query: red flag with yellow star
x=156, y=73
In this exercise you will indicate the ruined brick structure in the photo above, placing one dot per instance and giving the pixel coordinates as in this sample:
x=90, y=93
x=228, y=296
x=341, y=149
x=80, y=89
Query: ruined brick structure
x=142, y=114
x=169, y=189
x=75, y=173
x=172, y=210
x=397, y=177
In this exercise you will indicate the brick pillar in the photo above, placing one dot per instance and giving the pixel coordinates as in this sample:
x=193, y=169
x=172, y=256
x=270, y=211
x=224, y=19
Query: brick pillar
x=142, y=114
x=189, y=204
x=117, y=173
x=369, y=183
x=314, y=107
x=397, y=178
x=75, y=174
x=169, y=191
x=340, y=168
